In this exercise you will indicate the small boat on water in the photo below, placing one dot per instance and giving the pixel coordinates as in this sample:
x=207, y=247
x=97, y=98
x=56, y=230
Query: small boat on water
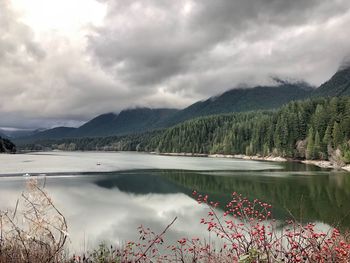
x=26, y=175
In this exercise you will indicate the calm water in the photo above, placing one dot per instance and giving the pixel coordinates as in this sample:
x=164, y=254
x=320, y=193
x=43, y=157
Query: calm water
x=105, y=196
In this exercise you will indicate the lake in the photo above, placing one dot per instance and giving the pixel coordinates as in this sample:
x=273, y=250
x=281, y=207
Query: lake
x=106, y=196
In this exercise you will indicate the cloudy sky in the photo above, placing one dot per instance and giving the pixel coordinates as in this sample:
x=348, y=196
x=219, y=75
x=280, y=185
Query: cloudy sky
x=63, y=62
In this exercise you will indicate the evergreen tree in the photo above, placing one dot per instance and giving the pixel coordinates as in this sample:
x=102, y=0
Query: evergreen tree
x=317, y=146
x=310, y=149
x=297, y=130
x=337, y=135
x=326, y=141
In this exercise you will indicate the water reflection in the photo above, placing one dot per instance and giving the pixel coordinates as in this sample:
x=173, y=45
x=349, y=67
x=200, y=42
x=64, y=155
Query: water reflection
x=110, y=206
x=98, y=214
x=314, y=195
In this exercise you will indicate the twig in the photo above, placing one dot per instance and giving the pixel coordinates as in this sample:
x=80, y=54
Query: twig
x=155, y=240
x=15, y=212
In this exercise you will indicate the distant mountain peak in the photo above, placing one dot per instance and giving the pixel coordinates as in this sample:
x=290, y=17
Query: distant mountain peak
x=339, y=83
x=292, y=82
x=143, y=108
x=279, y=81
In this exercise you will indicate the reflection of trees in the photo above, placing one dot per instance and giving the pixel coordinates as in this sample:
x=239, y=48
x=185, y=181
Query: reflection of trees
x=323, y=197
x=139, y=182
x=310, y=195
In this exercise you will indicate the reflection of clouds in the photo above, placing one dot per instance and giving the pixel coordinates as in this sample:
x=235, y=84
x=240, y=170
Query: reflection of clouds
x=97, y=214
x=10, y=191
x=63, y=162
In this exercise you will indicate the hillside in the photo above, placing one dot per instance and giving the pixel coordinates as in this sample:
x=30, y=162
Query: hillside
x=126, y=122
x=311, y=129
x=145, y=119
x=97, y=126
x=2, y=134
x=18, y=133
x=6, y=146
x=338, y=85
x=54, y=133
x=238, y=100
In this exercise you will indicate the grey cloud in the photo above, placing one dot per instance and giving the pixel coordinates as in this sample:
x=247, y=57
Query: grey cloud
x=168, y=53
x=233, y=14
x=16, y=39
x=159, y=49
x=151, y=49
x=22, y=121
x=51, y=83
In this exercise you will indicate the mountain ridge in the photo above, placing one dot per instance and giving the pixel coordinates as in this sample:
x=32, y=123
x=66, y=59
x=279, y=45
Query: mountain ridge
x=247, y=99
x=108, y=124
x=6, y=146
x=144, y=119
x=337, y=85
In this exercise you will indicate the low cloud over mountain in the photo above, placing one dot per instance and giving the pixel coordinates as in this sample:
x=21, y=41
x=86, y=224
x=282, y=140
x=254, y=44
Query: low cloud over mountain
x=107, y=55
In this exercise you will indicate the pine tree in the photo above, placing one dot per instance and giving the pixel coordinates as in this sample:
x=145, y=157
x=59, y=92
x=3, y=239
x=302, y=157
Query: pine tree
x=310, y=149
x=337, y=135
x=326, y=141
x=327, y=138
x=319, y=119
x=317, y=146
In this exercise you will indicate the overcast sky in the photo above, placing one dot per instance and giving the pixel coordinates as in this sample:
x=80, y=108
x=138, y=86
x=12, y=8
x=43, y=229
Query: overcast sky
x=63, y=62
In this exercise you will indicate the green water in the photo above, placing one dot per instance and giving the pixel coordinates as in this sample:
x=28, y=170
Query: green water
x=304, y=192
x=126, y=190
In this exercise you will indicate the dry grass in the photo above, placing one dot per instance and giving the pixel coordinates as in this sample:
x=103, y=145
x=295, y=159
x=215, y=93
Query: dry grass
x=36, y=231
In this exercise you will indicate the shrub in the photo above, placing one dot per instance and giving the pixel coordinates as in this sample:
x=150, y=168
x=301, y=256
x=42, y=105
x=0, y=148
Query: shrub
x=35, y=231
x=246, y=233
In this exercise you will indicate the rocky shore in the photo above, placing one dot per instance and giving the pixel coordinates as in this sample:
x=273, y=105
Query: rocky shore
x=319, y=163
x=326, y=164
x=253, y=157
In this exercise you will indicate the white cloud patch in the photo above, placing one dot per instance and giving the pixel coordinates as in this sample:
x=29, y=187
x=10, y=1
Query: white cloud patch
x=93, y=56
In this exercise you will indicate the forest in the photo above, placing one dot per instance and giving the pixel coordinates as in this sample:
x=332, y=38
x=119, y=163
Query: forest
x=6, y=146
x=314, y=129
x=310, y=129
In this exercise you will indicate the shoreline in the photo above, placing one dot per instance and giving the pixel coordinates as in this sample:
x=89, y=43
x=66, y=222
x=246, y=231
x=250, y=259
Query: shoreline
x=326, y=164
x=318, y=163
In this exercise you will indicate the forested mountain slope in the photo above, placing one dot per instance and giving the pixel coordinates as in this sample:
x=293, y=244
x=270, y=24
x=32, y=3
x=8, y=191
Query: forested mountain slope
x=311, y=129
x=338, y=85
x=126, y=122
x=237, y=100
x=248, y=99
x=6, y=146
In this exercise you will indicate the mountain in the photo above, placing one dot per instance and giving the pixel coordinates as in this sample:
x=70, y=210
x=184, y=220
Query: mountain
x=17, y=133
x=238, y=100
x=54, y=133
x=126, y=122
x=145, y=119
x=2, y=134
x=95, y=127
x=6, y=146
x=338, y=85
x=293, y=131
